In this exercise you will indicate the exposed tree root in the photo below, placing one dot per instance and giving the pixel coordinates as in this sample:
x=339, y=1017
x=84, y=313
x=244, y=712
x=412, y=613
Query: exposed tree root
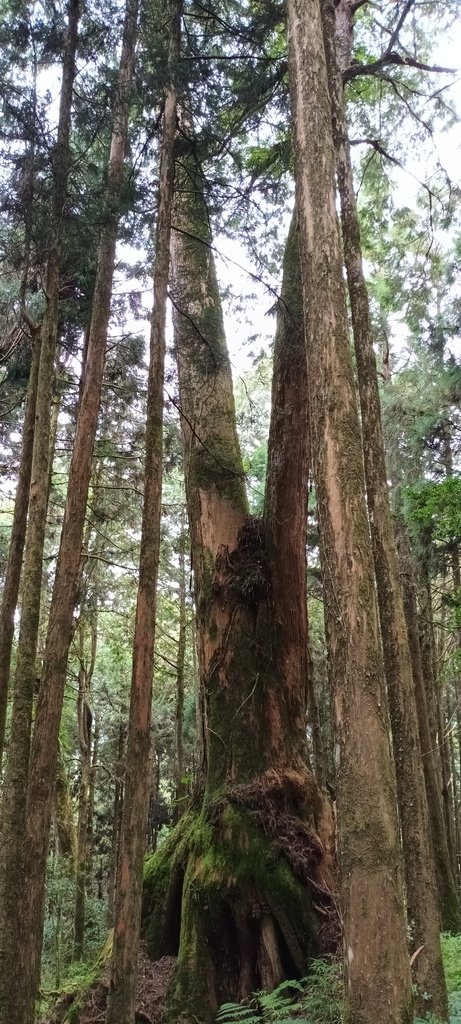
x=243, y=893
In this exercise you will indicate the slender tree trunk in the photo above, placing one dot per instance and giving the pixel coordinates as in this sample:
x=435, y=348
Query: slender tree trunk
x=420, y=877
x=64, y=819
x=17, y=539
x=91, y=799
x=14, y=798
x=181, y=790
x=116, y=824
x=446, y=884
x=122, y=989
x=371, y=878
x=49, y=707
x=84, y=731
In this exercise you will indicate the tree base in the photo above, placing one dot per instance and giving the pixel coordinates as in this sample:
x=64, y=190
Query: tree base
x=242, y=893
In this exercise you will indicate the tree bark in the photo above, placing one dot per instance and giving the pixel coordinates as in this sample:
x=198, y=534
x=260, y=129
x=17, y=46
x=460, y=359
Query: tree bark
x=60, y=626
x=233, y=926
x=377, y=968
x=123, y=978
x=84, y=733
x=17, y=539
x=423, y=915
x=180, y=790
x=15, y=788
x=450, y=909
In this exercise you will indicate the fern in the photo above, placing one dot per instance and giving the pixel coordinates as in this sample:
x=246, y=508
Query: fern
x=313, y=1000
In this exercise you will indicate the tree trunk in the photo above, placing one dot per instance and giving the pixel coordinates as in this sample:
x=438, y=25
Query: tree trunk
x=420, y=877
x=376, y=960
x=248, y=868
x=84, y=733
x=65, y=827
x=14, y=797
x=17, y=539
x=450, y=909
x=181, y=789
x=123, y=979
x=116, y=824
x=91, y=798
x=60, y=626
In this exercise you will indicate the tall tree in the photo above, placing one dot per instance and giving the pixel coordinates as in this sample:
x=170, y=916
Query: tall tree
x=237, y=927
x=14, y=793
x=371, y=877
x=424, y=915
x=60, y=625
x=127, y=918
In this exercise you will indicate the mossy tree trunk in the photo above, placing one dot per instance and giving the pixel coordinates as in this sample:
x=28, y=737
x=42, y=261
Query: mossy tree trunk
x=18, y=535
x=376, y=956
x=243, y=890
x=423, y=915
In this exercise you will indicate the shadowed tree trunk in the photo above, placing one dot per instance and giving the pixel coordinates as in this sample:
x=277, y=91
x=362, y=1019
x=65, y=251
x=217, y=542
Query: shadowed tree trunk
x=60, y=625
x=423, y=914
x=84, y=733
x=17, y=539
x=232, y=892
x=128, y=897
x=181, y=789
x=64, y=816
x=445, y=879
x=376, y=958
x=16, y=776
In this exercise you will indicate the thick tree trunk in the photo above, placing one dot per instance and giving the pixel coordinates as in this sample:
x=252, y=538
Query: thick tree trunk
x=286, y=497
x=17, y=539
x=123, y=980
x=16, y=778
x=376, y=958
x=237, y=891
x=420, y=877
x=60, y=626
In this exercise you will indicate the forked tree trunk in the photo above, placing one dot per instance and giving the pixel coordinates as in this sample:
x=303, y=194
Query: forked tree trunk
x=17, y=539
x=128, y=897
x=233, y=890
x=48, y=716
x=376, y=957
x=423, y=914
x=16, y=777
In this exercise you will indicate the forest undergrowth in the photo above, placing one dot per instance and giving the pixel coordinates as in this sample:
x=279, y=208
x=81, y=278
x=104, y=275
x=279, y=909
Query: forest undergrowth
x=316, y=999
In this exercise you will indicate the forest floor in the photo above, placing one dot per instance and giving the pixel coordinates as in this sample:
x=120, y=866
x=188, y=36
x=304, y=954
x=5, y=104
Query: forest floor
x=153, y=981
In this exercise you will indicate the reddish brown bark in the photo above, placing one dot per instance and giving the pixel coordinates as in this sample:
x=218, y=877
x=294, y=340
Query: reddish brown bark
x=423, y=915
x=16, y=777
x=376, y=961
x=60, y=626
x=123, y=979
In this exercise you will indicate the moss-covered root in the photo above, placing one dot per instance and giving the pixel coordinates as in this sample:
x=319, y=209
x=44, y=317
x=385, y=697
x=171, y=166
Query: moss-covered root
x=239, y=914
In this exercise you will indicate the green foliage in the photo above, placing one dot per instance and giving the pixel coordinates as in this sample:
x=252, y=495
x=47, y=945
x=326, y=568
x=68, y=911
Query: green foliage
x=317, y=999
x=435, y=510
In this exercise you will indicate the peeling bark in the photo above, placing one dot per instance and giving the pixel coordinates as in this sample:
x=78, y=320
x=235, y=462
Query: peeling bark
x=376, y=960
